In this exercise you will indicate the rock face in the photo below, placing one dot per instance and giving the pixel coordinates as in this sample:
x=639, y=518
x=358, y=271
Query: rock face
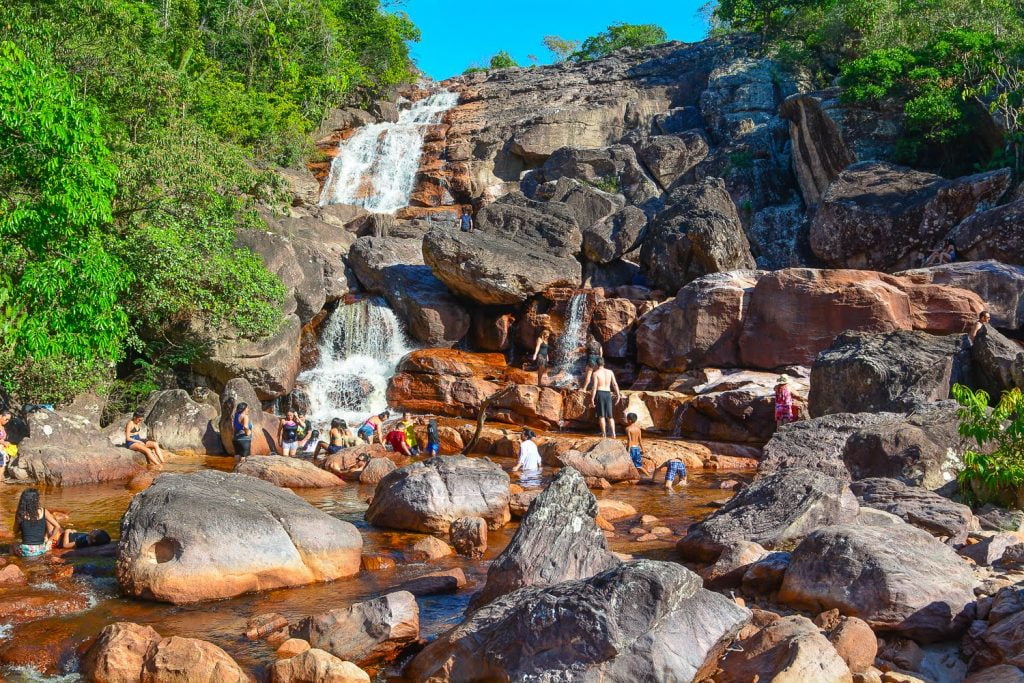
x=58, y=467
x=999, y=285
x=699, y=233
x=605, y=459
x=393, y=268
x=993, y=234
x=790, y=650
x=892, y=372
x=819, y=152
x=557, y=540
x=493, y=269
x=642, y=620
x=922, y=448
x=180, y=539
x=885, y=217
x=288, y=472
x=367, y=633
x=894, y=577
x=179, y=423
x=670, y=157
x=428, y=496
x=775, y=511
x=614, y=236
x=269, y=364
x=926, y=510
x=997, y=363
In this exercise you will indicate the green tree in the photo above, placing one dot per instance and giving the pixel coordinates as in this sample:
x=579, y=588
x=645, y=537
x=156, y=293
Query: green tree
x=503, y=60
x=561, y=48
x=765, y=17
x=618, y=36
x=994, y=471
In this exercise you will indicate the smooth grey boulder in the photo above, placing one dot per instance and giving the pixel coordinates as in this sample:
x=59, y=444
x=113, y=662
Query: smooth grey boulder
x=993, y=234
x=429, y=495
x=210, y=535
x=776, y=511
x=178, y=423
x=999, y=285
x=920, y=507
x=997, y=363
x=863, y=372
x=895, y=577
x=639, y=621
x=366, y=633
x=557, y=540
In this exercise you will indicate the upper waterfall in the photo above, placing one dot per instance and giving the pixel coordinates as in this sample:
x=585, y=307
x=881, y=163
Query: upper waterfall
x=376, y=167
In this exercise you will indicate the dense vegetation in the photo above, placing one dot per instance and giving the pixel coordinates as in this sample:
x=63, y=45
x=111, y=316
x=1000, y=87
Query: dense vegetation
x=955, y=66
x=993, y=470
x=134, y=138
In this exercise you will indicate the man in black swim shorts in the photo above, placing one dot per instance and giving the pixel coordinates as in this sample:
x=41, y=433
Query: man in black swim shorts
x=601, y=398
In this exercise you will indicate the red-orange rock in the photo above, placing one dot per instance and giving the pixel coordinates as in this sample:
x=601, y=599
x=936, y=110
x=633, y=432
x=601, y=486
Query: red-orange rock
x=291, y=647
x=492, y=331
x=374, y=563
x=11, y=575
x=262, y=625
x=427, y=549
x=375, y=470
x=119, y=652
x=612, y=323
x=348, y=463
x=287, y=472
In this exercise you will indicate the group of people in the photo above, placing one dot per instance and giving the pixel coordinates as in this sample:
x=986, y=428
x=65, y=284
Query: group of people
x=39, y=531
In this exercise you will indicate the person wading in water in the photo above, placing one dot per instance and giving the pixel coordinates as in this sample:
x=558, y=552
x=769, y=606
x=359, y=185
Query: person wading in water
x=601, y=398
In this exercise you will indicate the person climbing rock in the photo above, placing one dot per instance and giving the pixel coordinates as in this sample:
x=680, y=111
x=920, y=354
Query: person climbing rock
x=135, y=441
x=541, y=354
x=634, y=440
x=785, y=408
x=409, y=426
x=605, y=386
x=396, y=440
x=467, y=221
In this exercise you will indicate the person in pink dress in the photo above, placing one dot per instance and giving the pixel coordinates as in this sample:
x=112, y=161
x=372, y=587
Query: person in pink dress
x=785, y=409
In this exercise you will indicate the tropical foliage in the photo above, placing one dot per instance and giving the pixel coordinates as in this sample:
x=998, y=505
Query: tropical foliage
x=994, y=470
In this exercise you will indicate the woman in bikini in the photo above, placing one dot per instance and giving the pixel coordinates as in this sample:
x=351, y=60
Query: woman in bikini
x=541, y=355
x=135, y=441
x=339, y=438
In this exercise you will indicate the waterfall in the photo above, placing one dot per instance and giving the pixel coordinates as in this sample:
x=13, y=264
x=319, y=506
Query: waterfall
x=376, y=167
x=360, y=346
x=574, y=336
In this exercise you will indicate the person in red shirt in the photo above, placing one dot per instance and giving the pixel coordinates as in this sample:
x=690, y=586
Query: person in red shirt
x=396, y=439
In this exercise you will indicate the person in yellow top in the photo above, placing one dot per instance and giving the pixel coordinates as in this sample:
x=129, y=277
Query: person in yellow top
x=409, y=427
x=8, y=450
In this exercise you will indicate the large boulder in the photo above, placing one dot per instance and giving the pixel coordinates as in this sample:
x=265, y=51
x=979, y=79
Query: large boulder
x=291, y=473
x=366, y=633
x=489, y=268
x=557, y=540
x=551, y=225
x=640, y=621
x=179, y=659
x=236, y=391
x=993, y=234
x=885, y=217
x=670, y=157
x=316, y=666
x=819, y=152
x=863, y=372
x=119, y=652
x=180, y=424
x=920, y=507
x=614, y=168
x=895, y=577
x=788, y=650
x=997, y=363
x=606, y=459
x=699, y=232
x=615, y=235
x=921, y=448
x=180, y=539
x=700, y=327
x=428, y=496
x=270, y=363
x=304, y=284
x=55, y=466
x=776, y=511
x=393, y=268
x=999, y=285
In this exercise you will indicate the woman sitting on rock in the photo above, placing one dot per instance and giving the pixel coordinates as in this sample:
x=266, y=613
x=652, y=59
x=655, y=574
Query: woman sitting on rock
x=134, y=441
x=38, y=529
x=338, y=438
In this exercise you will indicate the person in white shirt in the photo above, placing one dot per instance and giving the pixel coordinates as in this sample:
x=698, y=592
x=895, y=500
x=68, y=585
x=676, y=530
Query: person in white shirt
x=529, y=456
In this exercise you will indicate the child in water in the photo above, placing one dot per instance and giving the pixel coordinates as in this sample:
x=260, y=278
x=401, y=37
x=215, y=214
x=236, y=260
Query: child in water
x=634, y=440
x=674, y=469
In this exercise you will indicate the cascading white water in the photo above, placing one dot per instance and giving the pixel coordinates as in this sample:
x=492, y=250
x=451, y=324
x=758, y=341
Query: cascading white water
x=360, y=345
x=376, y=167
x=574, y=336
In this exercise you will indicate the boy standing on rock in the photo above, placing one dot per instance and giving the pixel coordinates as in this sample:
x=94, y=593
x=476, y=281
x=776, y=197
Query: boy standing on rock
x=634, y=440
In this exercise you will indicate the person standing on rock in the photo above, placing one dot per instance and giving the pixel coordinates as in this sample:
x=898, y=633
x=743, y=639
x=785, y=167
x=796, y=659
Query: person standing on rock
x=372, y=426
x=305, y=433
x=467, y=221
x=36, y=526
x=785, y=408
x=634, y=440
x=242, y=437
x=601, y=398
x=288, y=434
x=134, y=441
x=541, y=354
x=978, y=329
x=594, y=353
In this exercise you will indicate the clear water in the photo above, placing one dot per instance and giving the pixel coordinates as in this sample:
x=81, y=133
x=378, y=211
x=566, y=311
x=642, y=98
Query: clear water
x=360, y=346
x=376, y=167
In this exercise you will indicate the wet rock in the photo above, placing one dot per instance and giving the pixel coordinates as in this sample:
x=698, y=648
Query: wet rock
x=637, y=621
x=491, y=331
x=188, y=659
x=375, y=470
x=119, y=652
x=997, y=363
x=775, y=511
x=288, y=472
x=59, y=467
x=428, y=496
x=270, y=364
x=607, y=459
x=468, y=536
x=698, y=233
x=436, y=583
x=179, y=539
x=896, y=578
x=349, y=463
x=614, y=510
x=179, y=423
x=490, y=268
x=999, y=285
x=865, y=372
x=428, y=549
x=376, y=563
x=935, y=514
x=789, y=649
x=557, y=540
x=238, y=390
x=316, y=666
x=993, y=234
x=394, y=268
x=881, y=216
x=367, y=633
x=11, y=575
x=262, y=625
x=700, y=327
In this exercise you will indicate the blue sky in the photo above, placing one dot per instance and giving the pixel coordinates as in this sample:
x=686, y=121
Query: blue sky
x=459, y=33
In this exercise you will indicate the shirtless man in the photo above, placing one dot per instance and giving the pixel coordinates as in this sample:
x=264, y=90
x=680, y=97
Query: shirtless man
x=601, y=398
